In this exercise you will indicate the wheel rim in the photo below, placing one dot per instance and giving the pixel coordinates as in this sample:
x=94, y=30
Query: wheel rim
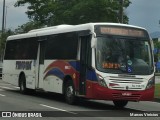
x=69, y=92
x=22, y=86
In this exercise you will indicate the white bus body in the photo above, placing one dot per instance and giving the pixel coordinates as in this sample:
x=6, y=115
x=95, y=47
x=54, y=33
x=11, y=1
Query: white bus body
x=92, y=79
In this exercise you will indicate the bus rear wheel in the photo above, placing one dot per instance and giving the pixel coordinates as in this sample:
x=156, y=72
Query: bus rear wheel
x=22, y=84
x=120, y=103
x=70, y=92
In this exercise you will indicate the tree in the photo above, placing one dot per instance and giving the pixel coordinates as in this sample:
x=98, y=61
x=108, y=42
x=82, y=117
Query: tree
x=157, y=44
x=38, y=10
x=3, y=38
x=157, y=54
x=28, y=26
x=53, y=12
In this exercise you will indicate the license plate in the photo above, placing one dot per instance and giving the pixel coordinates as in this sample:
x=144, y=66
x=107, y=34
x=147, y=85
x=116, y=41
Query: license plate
x=137, y=86
x=126, y=94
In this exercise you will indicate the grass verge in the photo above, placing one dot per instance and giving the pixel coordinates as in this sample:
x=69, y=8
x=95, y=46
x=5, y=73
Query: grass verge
x=157, y=91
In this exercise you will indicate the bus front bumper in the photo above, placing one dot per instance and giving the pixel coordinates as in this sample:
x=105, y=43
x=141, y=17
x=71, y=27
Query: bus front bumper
x=95, y=91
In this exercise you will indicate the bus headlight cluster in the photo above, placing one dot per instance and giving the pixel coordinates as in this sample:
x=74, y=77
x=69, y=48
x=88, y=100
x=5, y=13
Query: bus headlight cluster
x=151, y=82
x=101, y=81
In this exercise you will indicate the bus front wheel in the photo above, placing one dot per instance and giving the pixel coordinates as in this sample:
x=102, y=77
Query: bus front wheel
x=120, y=103
x=70, y=92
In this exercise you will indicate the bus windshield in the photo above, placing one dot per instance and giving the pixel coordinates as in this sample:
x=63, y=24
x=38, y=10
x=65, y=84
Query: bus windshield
x=131, y=55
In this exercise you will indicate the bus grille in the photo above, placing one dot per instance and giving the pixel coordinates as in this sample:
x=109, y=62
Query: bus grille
x=126, y=80
x=121, y=81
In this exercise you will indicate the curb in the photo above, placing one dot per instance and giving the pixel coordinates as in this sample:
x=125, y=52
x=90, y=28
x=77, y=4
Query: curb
x=157, y=100
x=157, y=74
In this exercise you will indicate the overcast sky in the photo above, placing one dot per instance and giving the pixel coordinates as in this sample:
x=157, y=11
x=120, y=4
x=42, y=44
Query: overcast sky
x=144, y=13
x=15, y=15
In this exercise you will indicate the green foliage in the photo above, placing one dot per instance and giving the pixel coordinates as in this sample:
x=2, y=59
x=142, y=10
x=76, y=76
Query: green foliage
x=53, y=12
x=28, y=26
x=157, y=55
x=157, y=91
x=157, y=44
x=3, y=38
x=38, y=10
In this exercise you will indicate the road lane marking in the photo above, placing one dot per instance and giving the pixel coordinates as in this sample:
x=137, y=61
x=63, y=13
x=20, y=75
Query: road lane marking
x=2, y=95
x=57, y=109
x=9, y=88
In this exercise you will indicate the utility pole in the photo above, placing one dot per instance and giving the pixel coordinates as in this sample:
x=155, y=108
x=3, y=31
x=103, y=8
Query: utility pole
x=3, y=17
x=3, y=20
x=121, y=11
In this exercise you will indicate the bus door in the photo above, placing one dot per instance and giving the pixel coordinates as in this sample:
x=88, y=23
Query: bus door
x=40, y=65
x=85, y=61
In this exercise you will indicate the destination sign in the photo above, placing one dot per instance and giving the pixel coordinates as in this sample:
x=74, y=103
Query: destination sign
x=124, y=31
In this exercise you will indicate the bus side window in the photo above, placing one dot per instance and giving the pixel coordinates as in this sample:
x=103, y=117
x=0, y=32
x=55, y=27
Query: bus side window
x=62, y=46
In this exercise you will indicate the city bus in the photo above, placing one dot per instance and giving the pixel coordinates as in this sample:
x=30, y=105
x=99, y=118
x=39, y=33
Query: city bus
x=97, y=61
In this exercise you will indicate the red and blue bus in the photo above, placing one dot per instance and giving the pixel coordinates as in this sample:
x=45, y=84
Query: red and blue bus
x=101, y=61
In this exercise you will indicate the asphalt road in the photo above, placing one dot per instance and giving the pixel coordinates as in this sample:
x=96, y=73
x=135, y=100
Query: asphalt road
x=54, y=105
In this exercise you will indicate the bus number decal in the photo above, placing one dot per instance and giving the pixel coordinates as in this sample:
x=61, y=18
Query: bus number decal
x=23, y=65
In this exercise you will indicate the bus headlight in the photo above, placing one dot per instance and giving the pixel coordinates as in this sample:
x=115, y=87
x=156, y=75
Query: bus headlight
x=151, y=82
x=101, y=81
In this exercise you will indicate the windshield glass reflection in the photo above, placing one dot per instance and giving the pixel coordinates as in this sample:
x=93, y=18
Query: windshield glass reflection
x=124, y=55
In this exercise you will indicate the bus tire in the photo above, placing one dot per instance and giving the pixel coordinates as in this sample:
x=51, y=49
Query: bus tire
x=120, y=103
x=70, y=92
x=22, y=84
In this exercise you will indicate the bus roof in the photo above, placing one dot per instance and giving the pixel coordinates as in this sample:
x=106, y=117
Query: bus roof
x=65, y=28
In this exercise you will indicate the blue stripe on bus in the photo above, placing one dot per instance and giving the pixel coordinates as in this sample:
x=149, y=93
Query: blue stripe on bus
x=91, y=75
x=75, y=65
x=56, y=72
